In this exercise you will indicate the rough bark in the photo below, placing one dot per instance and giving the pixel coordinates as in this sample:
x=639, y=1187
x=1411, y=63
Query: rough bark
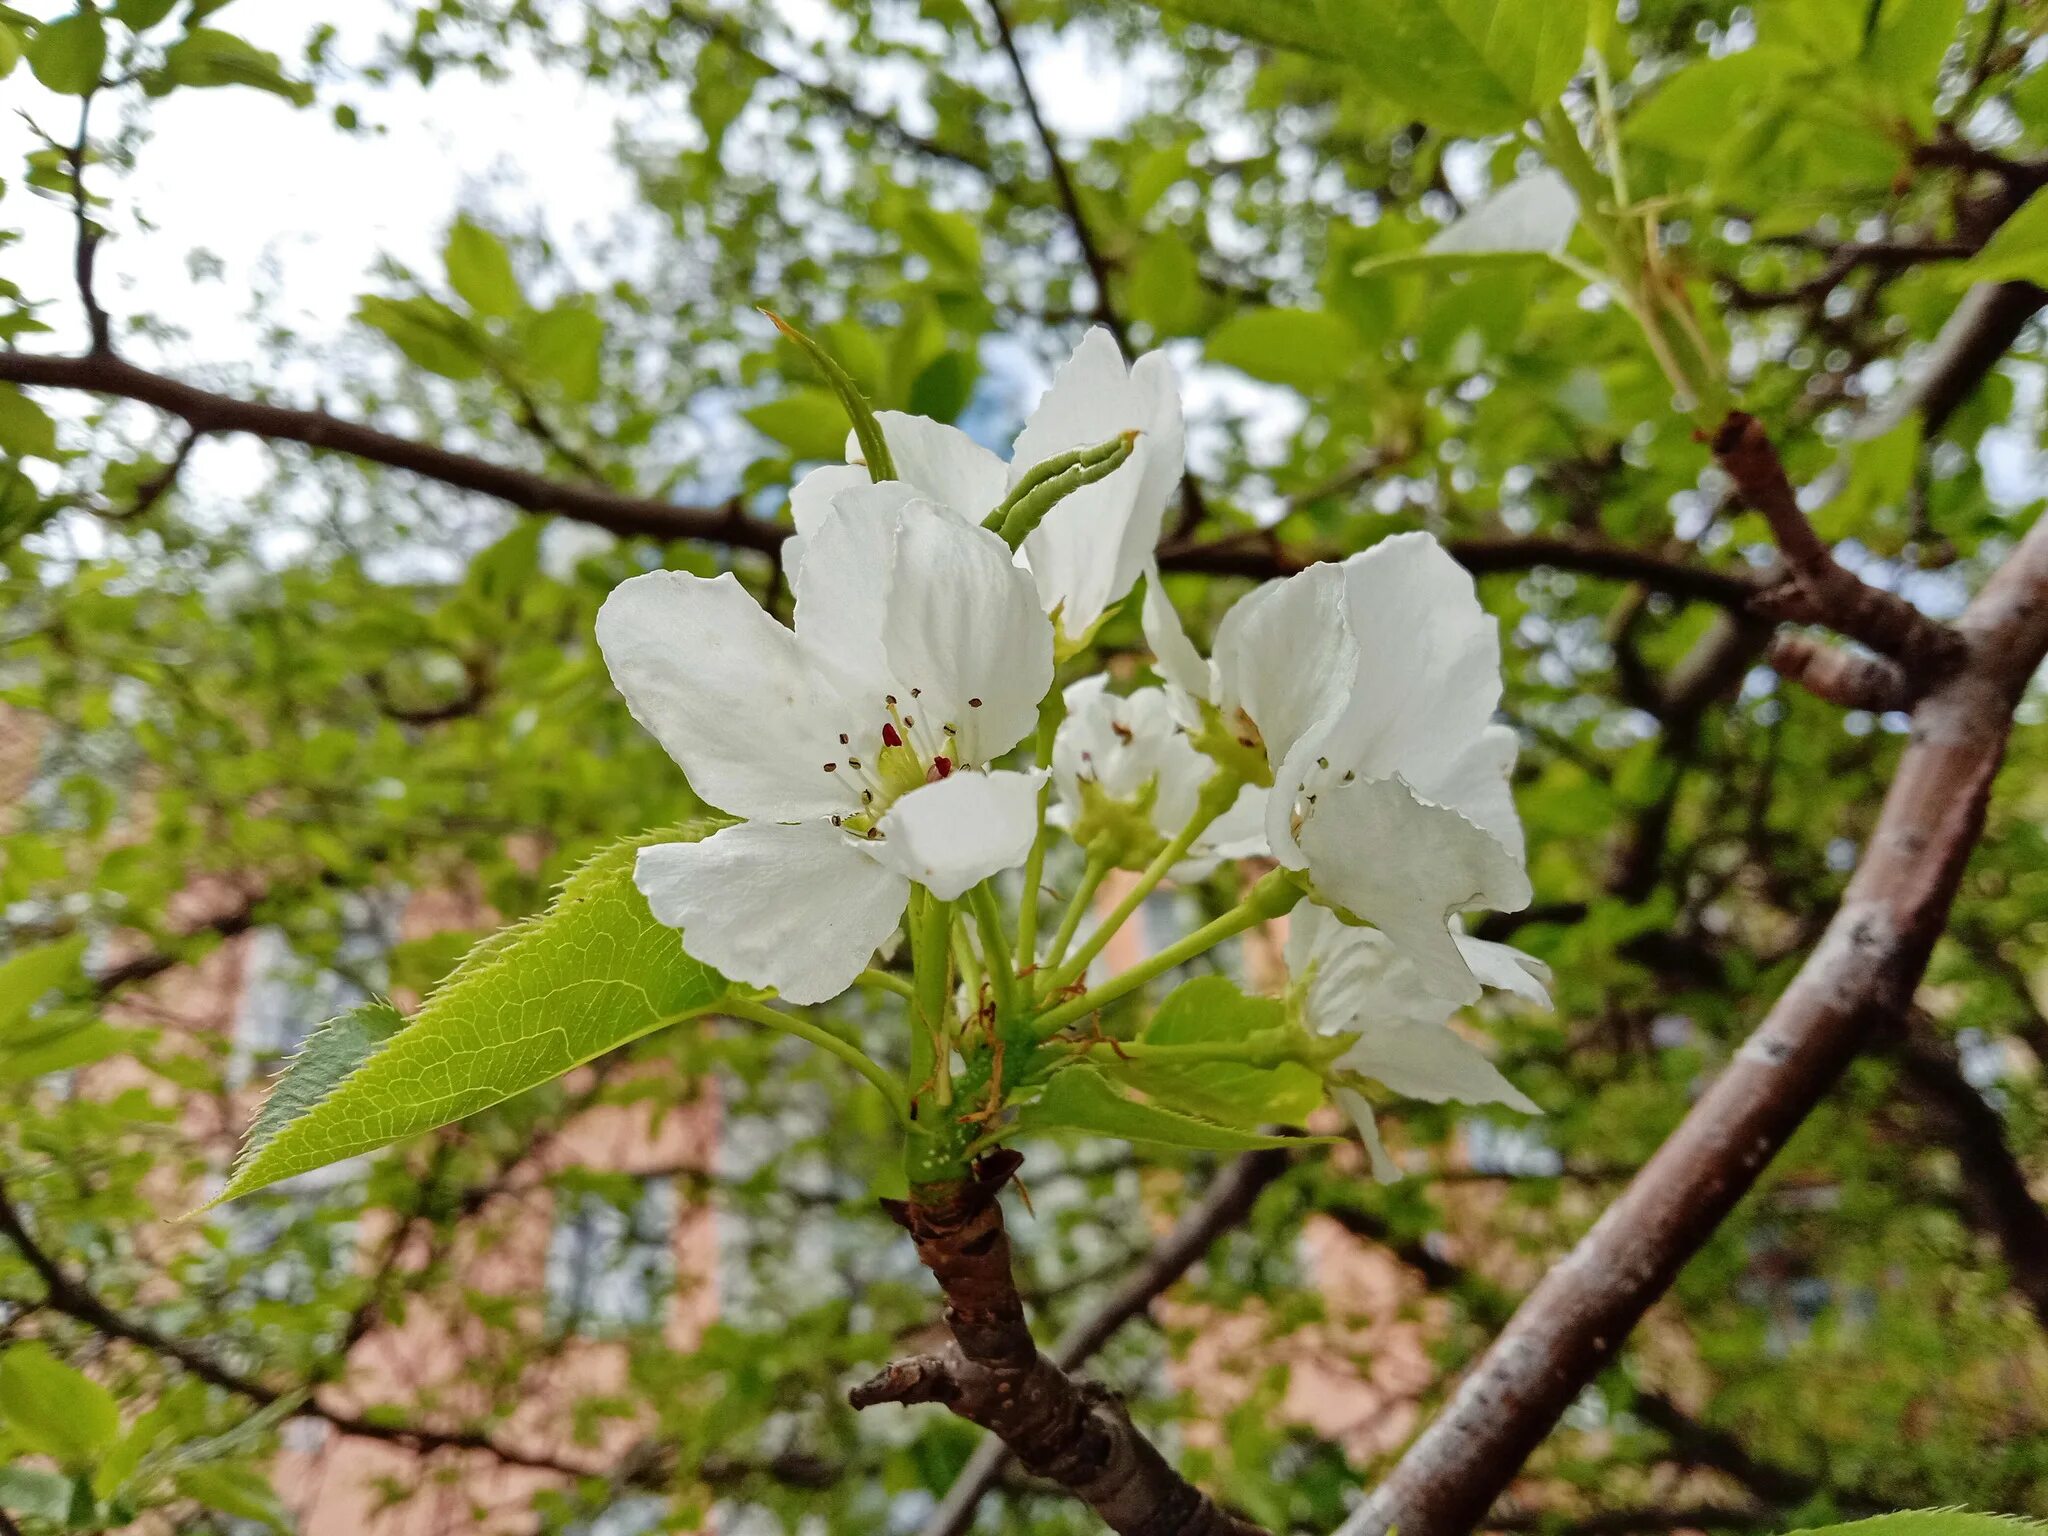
x=1226, y=1203
x=990, y=1372
x=1859, y=981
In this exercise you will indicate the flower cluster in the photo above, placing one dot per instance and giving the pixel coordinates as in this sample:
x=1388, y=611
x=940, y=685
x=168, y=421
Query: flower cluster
x=1340, y=732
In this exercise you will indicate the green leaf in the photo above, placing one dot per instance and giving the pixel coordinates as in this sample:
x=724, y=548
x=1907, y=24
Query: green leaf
x=592, y=972
x=1290, y=24
x=866, y=430
x=35, y=1493
x=1165, y=286
x=951, y=242
x=51, y=1408
x=26, y=430
x=1309, y=349
x=1210, y=1009
x=28, y=976
x=807, y=421
x=724, y=84
x=1930, y=1522
x=1464, y=66
x=480, y=270
x=565, y=345
x=67, y=54
x=1692, y=114
x=428, y=332
x=10, y=49
x=2018, y=250
x=204, y=57
x=235, y=1489
x=1080, y=1098
x=1906, y=50
x=141, y=15
x=943, y=386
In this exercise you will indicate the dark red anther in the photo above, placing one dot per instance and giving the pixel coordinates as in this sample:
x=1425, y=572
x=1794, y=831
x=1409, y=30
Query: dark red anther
x=941, y=768
x=890, y=738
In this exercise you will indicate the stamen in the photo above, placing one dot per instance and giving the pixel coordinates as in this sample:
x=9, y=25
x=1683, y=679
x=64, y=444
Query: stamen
x=915, y=692
x=831, y=767
x=853, y=762
x=890, y=735
x=842, y=738
x=942, y=767
x=974, y=703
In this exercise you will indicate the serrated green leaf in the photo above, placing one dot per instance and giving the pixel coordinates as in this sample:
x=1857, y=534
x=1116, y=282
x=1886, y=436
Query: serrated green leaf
x=866, y=430
x=592, y=972
x=1463, y=66
x=67, y=54
x=28, y=976
x=1211, y=1009
x=51, y=1408
x=1929, y=1522
x=1080, y=1098
x=480, y=270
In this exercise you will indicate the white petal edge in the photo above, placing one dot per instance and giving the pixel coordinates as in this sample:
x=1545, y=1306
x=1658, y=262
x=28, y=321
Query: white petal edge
x=800, y=908
x=952, y=835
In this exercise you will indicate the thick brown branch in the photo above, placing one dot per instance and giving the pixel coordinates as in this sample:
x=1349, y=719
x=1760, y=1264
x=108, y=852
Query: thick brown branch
x=1858, y=982
x=1070, y=1432
x=1226, y=1203
x=1848, y=678
x=1822, y=589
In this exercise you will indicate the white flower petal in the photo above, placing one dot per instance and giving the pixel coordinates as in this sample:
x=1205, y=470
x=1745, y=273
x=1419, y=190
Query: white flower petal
x=1427, y=675
x=1406, y=866
x=1240, y=832
x=810, y=502
x=1354, y=1104
x=798, y=908
x=945, y=464
x=965, y=629
x=1285, y=656
x=1434, y=1063
x=1477, y=785
x=1092, y=547
x=1178, y=660
x=1534, y=213
x=952, y=835
x=1507, y=969
x=727, y=690
x=842, y=596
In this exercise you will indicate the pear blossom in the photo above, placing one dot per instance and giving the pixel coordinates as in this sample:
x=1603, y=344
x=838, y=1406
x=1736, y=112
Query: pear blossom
x=1369, y=687
x=1129, y=756
x=1092, y=546
x=855, y=748
x=1354, y=981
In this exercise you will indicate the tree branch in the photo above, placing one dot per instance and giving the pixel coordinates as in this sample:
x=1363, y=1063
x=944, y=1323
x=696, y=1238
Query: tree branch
x=991, y=1373
x=1226, y=1203
x=1859, y=980
x=78, y=1302
x=205, y=411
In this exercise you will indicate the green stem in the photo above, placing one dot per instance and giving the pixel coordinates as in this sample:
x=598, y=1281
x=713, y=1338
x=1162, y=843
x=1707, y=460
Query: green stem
x=1050, y=714
x=1275, y=894
x=1084, y=893
x=1266, y=1048
x=887, y=981
x=995, y=948
x=1218, y=794
x=931, y=958
x=825, y=1040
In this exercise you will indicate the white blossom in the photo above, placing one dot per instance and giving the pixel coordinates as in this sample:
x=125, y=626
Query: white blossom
x=855, y=747
x=1370, y=686
x=1131, y=752
x=1354, y=981
x=1091, y=548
